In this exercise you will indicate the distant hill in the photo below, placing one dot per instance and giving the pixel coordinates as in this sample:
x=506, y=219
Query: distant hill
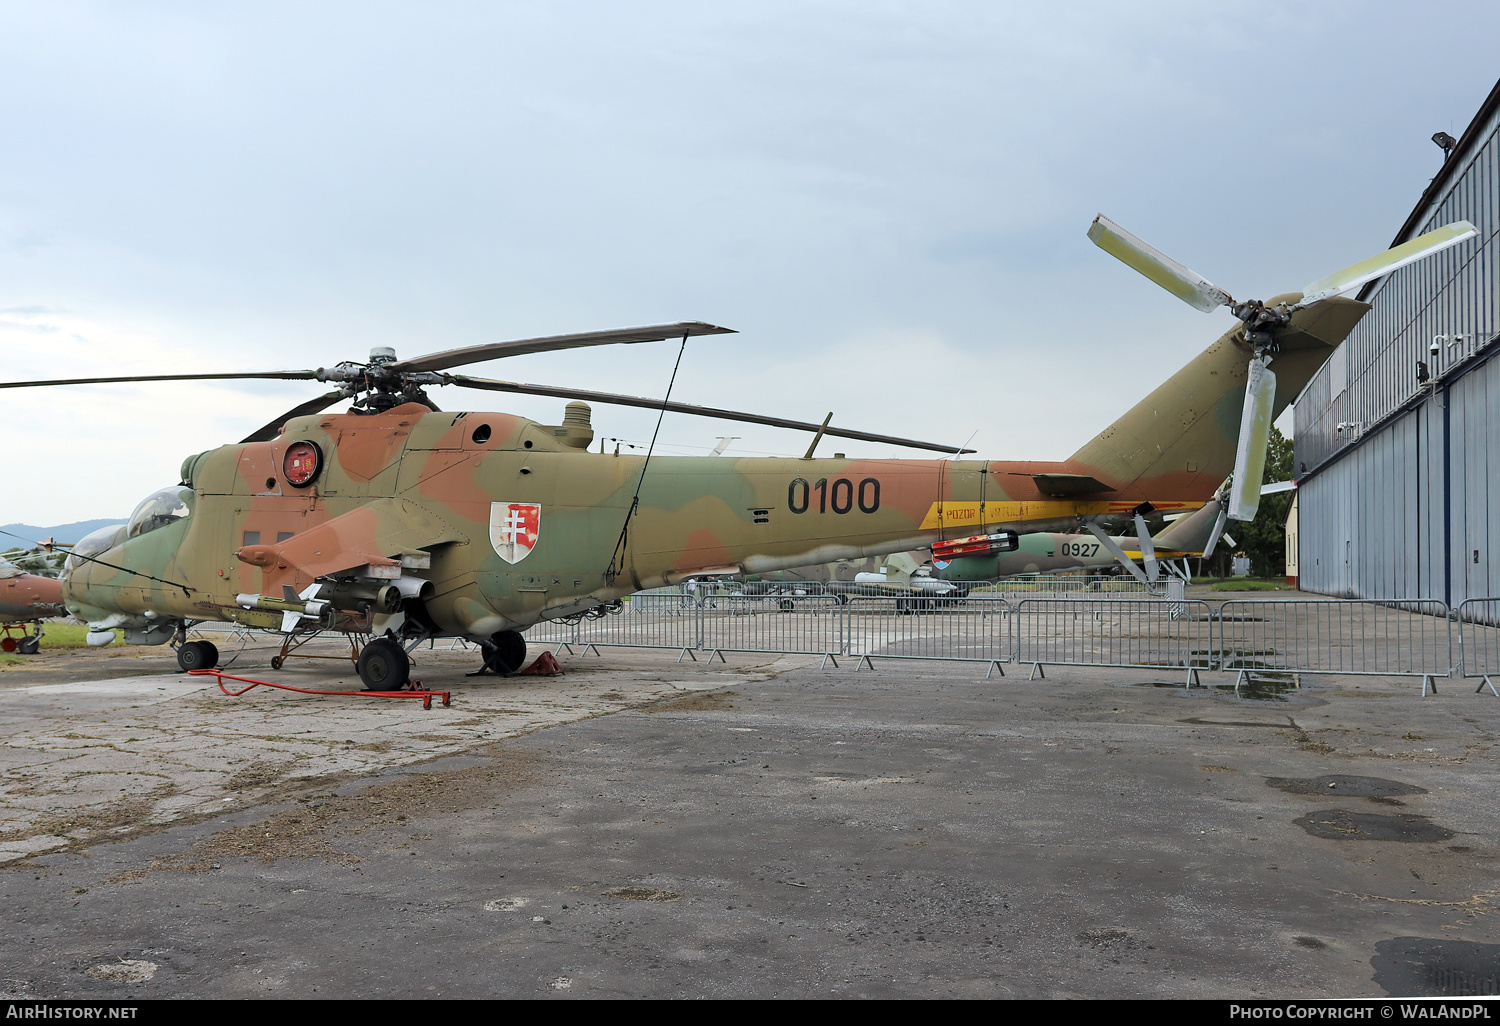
x=62, y=532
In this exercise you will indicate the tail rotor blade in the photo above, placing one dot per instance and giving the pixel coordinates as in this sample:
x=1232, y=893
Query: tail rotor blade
x=1255, y=434
x=1148, y=551
x=1356, y=275
x=1187, y=285
x=1217, y=533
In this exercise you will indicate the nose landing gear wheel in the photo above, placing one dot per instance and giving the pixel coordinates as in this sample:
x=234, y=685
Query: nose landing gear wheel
x=504, y=654
x=197, y=655
x=384, y=666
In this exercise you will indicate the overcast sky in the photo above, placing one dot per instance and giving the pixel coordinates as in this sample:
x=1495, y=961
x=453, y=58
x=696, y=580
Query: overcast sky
x=887, y=200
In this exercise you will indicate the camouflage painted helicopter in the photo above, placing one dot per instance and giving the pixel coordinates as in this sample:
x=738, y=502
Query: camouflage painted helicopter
x=407, y=523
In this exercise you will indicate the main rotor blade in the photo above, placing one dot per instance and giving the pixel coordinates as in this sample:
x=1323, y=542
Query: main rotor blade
x=550, y=343
x=1189, y=286
x=279, y=375
x=1356, y=275
x=1255, y=435
x=271, y=430
x=613, y=399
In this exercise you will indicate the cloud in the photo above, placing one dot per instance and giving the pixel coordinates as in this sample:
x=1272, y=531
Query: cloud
x=888, y=200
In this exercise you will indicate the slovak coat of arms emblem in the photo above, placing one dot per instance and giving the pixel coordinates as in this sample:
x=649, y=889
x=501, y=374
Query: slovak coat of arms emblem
x=514, y=527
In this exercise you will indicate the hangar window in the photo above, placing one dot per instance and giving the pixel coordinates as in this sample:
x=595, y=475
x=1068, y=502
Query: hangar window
x=158, y=510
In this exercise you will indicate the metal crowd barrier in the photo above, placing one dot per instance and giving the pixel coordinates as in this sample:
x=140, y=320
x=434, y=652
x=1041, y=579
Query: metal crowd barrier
x=557, y=633
x=1479, y=641
x=804, y=625
x=651, y=621
x=1051, y=585
x=1115, y=632
x=1410, y=638
x=969, y=629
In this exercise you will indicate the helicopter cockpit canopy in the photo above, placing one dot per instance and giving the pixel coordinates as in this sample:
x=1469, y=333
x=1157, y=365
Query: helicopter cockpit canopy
x=159, y=509
x=8, y=569
x=91, y=544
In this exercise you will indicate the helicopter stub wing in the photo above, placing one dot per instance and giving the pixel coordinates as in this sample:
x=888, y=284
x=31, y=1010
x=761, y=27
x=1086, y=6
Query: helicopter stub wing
x=374, y=536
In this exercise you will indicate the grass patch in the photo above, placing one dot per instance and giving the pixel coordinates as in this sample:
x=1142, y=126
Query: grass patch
x=54, y=636
x=69, y=635
x=1248, y=584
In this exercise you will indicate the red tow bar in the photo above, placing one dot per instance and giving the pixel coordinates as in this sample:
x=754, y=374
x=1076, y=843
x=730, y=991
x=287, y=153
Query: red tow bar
x=413, y=692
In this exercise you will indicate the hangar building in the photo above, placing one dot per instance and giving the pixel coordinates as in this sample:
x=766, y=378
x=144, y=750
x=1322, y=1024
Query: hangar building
x=1397, y=437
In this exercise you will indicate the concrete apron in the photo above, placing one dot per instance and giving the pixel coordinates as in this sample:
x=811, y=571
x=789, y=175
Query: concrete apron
x=97, y=760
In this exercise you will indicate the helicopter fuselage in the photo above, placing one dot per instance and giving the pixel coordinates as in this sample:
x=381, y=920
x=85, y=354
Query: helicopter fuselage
x=468, y=524
x=494, y=522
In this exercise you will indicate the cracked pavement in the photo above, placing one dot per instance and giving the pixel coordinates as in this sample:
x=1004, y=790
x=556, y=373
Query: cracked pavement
x=763, y=828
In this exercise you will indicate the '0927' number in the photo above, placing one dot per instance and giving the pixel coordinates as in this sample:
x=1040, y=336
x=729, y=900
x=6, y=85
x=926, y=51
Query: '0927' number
x=840, y=495
x=1085, y=550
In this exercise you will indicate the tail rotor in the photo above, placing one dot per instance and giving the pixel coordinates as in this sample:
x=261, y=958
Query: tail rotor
x=1263, y=326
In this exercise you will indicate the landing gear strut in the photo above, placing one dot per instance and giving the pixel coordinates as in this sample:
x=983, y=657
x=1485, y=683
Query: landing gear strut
x=504, y=654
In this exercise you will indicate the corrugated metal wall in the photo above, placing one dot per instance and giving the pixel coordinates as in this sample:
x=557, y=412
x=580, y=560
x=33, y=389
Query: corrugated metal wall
x=1412, y=510
x=1456, y=292
x=1397, y=483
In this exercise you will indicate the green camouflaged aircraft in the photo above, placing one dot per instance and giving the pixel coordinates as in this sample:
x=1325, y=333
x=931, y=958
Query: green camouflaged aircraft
x=994, y=558
x=406, y=523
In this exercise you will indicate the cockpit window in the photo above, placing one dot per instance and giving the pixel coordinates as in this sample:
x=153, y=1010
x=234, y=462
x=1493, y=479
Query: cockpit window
x=8, y=569
x=92, y=544
x=158, y=510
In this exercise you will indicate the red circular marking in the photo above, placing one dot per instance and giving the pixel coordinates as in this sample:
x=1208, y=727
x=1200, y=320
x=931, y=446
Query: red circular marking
x=301, y=463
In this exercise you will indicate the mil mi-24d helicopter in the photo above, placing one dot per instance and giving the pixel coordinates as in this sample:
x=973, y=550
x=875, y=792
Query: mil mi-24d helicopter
x=406, y=523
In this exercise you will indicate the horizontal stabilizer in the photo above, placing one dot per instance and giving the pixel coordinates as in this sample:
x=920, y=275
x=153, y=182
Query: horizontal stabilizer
x=1067, y=485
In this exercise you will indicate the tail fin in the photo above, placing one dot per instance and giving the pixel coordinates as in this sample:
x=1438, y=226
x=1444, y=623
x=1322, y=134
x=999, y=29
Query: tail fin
x=1179, y=442
x=899, y=566
x=1190, y=534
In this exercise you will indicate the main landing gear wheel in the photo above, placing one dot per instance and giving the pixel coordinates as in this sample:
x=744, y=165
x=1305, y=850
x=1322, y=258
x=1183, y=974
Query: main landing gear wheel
x=384, y=666
x=29, y=645
x=504, y=654
x=197, y=655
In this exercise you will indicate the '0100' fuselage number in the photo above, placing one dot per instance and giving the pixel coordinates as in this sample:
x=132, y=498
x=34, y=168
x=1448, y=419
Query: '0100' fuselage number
x=841, y=495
